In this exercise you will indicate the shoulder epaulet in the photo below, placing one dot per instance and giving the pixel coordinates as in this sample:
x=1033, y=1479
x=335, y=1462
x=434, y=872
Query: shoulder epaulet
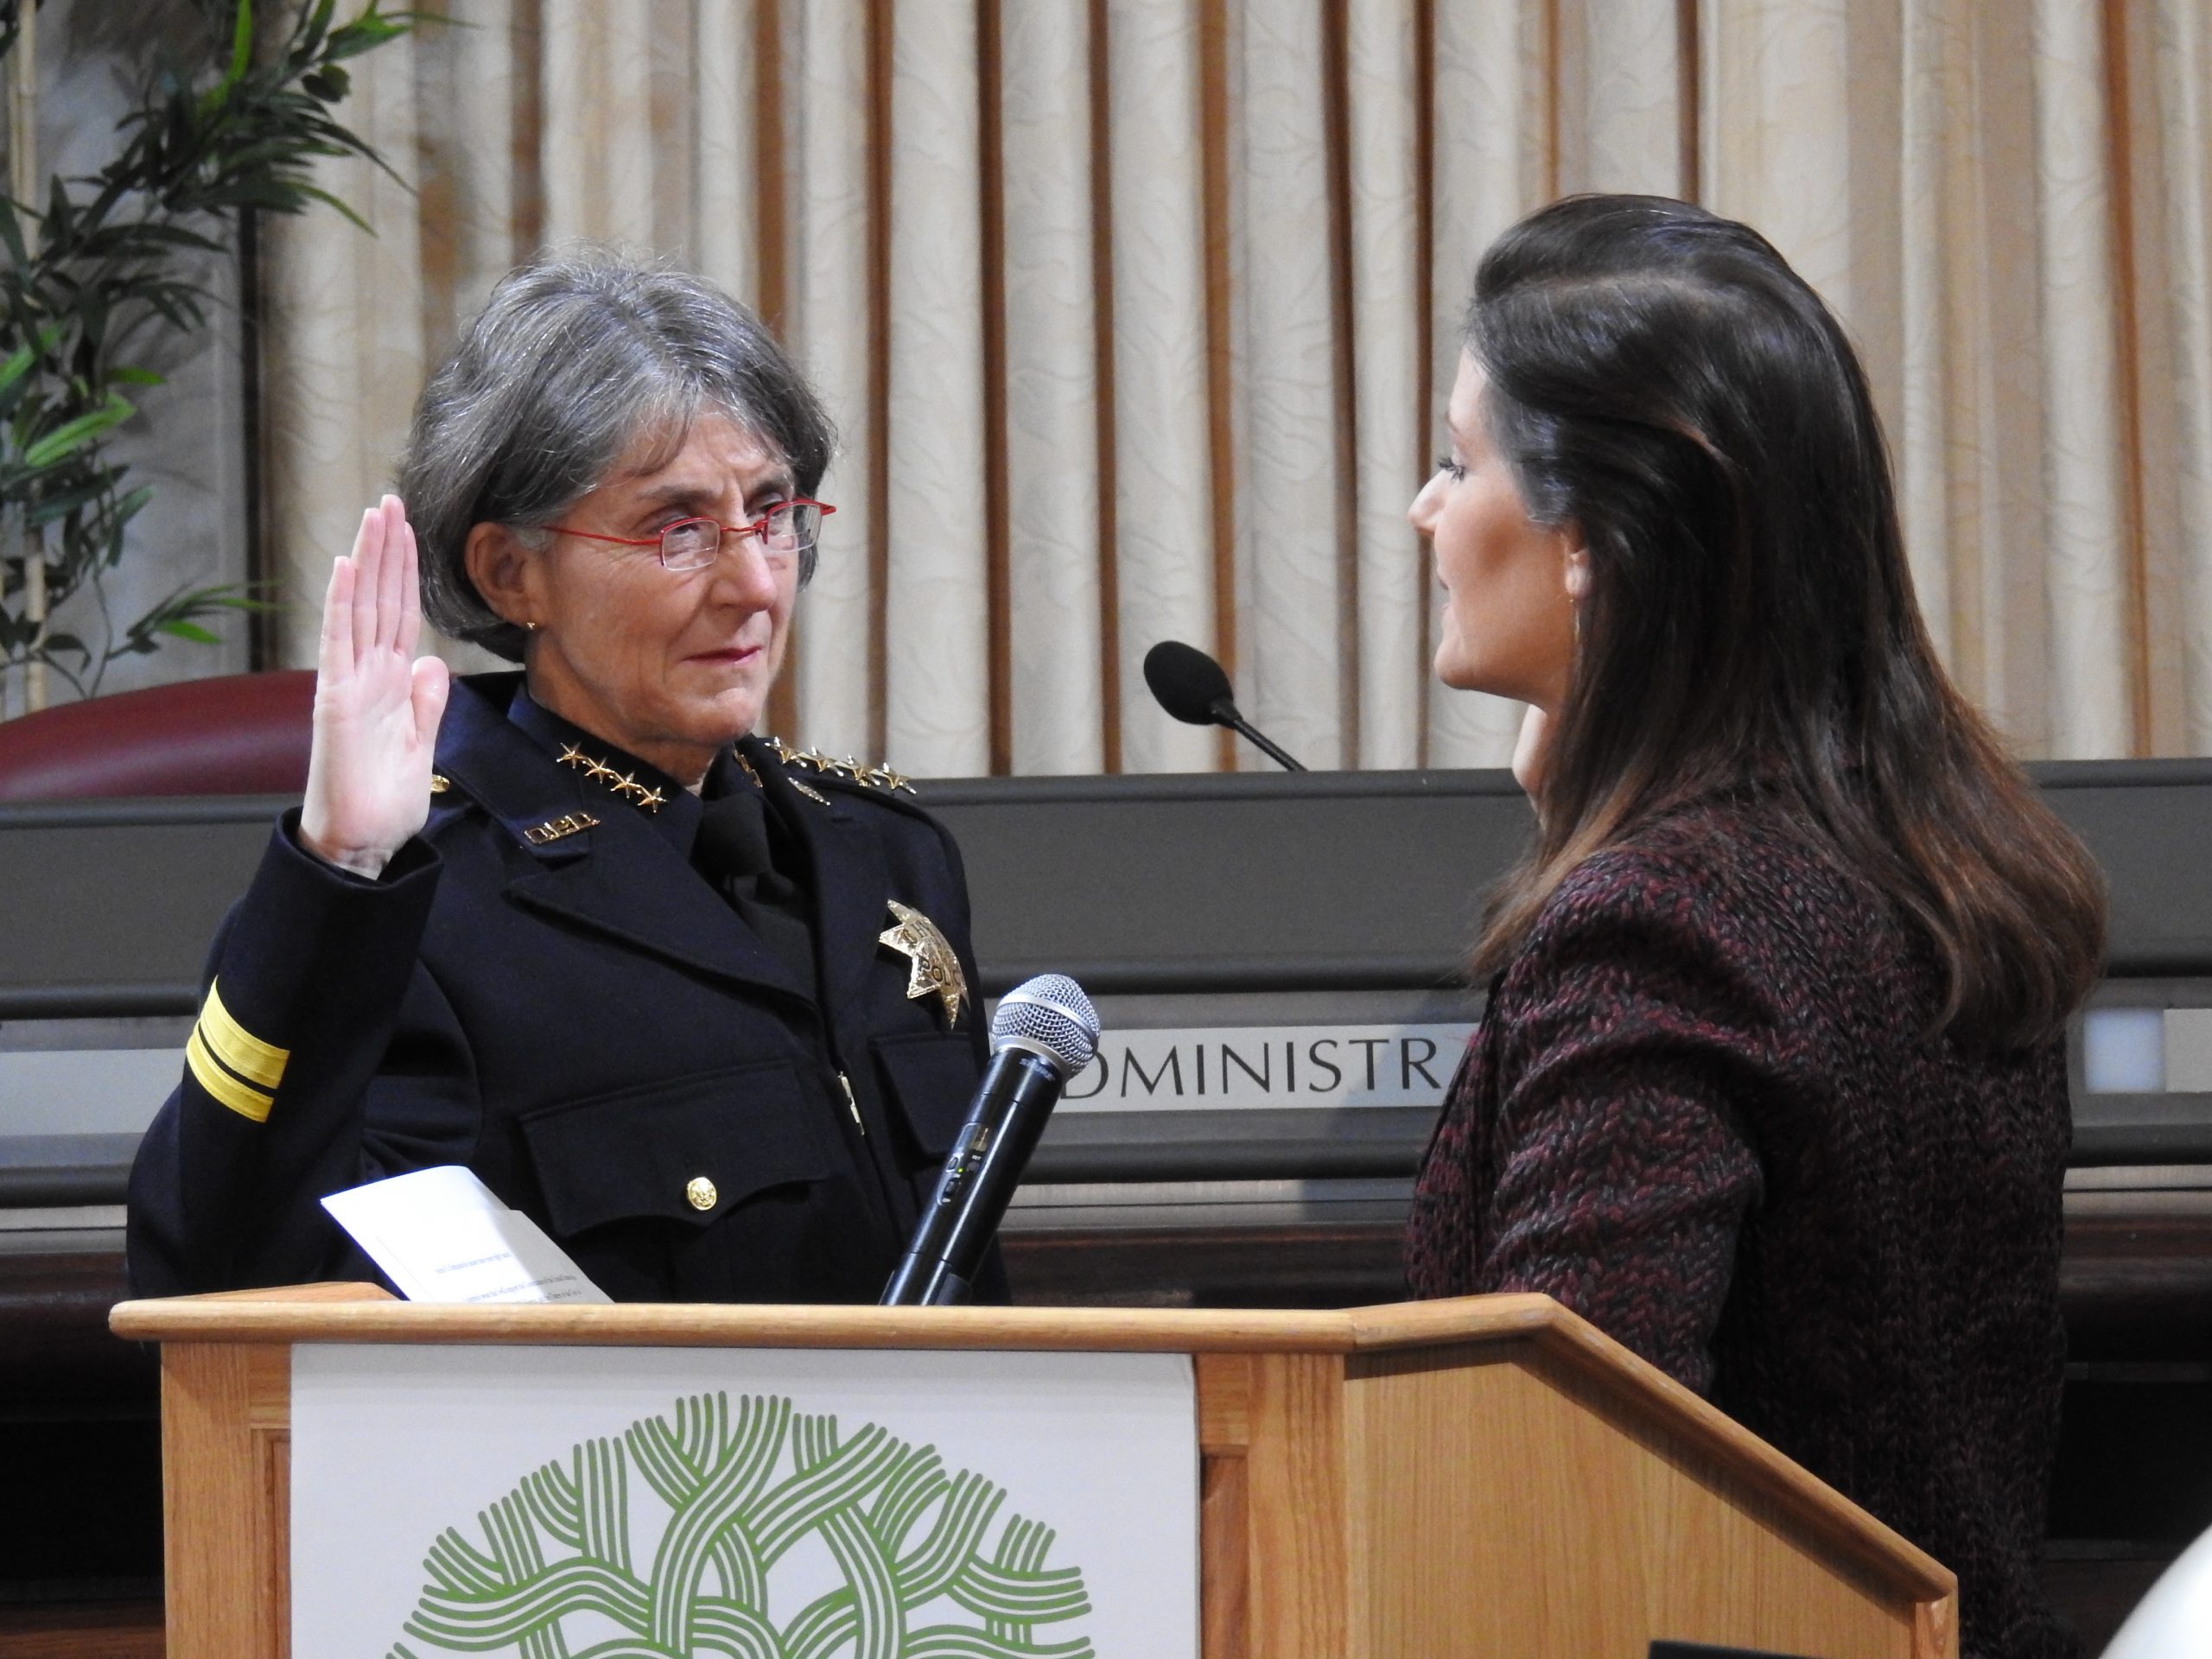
x=849, y=769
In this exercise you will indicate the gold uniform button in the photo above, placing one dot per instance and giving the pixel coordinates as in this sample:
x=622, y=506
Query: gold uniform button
x=701, y=1191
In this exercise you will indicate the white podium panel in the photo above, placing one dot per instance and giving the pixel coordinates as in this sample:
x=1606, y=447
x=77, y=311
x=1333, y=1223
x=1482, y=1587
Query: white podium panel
x=539, y=1501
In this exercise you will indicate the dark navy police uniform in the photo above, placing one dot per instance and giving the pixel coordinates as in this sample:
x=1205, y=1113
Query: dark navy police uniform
x=731, y=1096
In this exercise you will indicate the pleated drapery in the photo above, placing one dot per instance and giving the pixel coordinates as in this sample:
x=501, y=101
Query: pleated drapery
x=1137, y=317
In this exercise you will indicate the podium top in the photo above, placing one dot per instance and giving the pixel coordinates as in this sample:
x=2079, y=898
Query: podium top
x=363, y=1313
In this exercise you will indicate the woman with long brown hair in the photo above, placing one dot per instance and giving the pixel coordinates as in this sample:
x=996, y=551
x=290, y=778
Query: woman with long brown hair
x=1770, y=1084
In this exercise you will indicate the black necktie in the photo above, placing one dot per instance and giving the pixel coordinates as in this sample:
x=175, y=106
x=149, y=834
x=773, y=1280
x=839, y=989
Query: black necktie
x=733, y=838
x=732, y=849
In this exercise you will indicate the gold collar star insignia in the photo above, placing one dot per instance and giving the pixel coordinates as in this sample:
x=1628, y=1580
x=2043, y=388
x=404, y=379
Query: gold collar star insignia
x=623, y=783
x=935, y=968
x=851, y=766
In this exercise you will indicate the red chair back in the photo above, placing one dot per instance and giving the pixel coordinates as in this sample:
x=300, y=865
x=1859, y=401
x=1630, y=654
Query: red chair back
x=235, y=735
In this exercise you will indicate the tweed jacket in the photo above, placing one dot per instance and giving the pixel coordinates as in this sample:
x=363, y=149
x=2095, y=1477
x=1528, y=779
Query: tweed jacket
x=543, y=988
x=1702, y=1110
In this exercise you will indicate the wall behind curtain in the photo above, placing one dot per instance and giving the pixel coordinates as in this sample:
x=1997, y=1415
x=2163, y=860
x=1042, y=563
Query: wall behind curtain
x=1137, y=317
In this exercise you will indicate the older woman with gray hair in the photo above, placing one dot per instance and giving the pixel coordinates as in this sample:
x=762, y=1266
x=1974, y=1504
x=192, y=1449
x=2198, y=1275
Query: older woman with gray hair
x=695, y=1000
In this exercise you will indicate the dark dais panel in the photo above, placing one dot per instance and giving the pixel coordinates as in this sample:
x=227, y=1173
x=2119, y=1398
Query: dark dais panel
x=2150, y=823
x=1268, y=882
x=111, y=903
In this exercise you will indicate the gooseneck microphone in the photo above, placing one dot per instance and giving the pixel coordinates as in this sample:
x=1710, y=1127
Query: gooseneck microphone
x=1044, y=1033
x=1192, y=687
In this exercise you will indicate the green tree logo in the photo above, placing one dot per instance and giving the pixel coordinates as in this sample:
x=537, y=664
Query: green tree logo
x=556, y=1575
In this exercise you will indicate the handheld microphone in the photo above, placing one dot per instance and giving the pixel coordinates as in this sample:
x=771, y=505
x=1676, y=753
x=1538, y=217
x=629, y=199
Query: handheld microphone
x=1192, y=687
x=1044, y=1031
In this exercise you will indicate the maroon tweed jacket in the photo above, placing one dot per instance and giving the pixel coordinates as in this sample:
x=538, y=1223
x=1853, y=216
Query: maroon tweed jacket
x=1699, y=1112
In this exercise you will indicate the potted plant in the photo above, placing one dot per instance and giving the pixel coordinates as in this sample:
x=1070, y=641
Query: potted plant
x=93, y=267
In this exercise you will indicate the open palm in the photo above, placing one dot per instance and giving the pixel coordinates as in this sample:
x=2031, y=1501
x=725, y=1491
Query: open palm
x=377, y=707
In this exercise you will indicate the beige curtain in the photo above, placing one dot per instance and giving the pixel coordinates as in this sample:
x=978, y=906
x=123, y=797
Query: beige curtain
x=1136, y=316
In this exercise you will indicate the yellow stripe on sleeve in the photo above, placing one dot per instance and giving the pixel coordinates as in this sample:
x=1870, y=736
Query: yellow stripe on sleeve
x=237, y=1048
x=249, y=1103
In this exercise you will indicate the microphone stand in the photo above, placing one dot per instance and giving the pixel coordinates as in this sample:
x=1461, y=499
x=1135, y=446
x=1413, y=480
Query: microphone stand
x=1225, y=714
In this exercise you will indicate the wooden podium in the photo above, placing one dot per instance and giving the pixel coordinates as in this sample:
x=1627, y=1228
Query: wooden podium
x=1489, y=1475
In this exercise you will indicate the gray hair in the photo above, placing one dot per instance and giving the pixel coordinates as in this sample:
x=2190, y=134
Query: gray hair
x=576, y=356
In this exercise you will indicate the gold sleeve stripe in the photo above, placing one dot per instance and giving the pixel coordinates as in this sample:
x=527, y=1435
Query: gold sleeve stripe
x=249, y=1103
x=237, y=1048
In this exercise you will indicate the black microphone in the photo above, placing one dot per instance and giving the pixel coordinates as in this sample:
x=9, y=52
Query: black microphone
x=1044, y=1031
x=1191, y=686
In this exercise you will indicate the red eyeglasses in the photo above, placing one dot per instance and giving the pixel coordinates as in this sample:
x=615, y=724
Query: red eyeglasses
x=786, y=529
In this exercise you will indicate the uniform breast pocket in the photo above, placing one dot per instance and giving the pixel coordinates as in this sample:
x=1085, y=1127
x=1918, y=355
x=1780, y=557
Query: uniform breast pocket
x=687, y=1151
x=933, y=1077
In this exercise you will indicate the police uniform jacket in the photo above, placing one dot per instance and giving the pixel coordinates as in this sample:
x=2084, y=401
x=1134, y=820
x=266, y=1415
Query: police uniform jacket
x=543, y=988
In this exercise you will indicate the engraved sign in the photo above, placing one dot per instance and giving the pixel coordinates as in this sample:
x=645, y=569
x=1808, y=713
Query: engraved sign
x=1222, y=1067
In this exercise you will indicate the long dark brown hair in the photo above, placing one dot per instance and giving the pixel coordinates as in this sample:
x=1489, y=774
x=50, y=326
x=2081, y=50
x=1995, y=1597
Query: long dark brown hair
x=1660, y=380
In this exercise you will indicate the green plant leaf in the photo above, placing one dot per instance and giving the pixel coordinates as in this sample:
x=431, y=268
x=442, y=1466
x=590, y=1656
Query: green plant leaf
x=367, y=31
x=110, y=260
x=73, y=435
x=314, y=27
x=57, y=225
x=241, y=45
x=59, y=503
x=330, y=201
x=12, y=233
x=18, y=365
x=67, y=439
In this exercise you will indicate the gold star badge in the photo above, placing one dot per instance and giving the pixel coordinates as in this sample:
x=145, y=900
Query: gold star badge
x=935, y=968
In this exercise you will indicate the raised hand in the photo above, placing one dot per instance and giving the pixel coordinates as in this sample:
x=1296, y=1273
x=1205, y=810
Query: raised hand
x=376, y=707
